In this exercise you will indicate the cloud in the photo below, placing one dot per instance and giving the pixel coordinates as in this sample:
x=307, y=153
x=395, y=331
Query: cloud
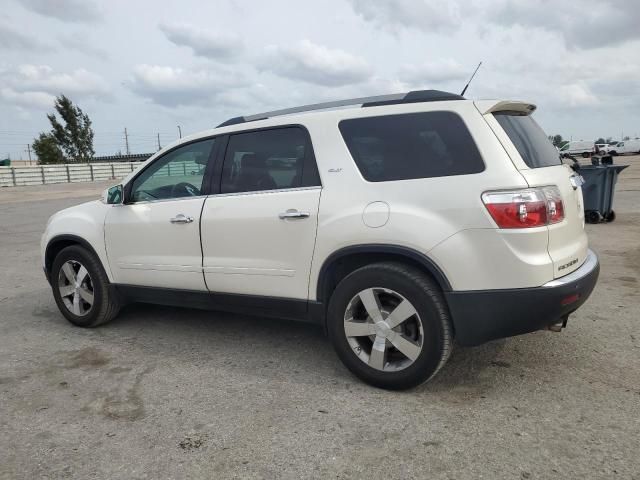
x=577, y=95
x=13, y=39
x=397, y=15
x=316, y=64
x=36, y=86
x=79, y=42
x=204, y=43
x=43, y=78
x=65, y=10
x=40, y=100
x=435, y=72
x=173, y=86
x=583, y=24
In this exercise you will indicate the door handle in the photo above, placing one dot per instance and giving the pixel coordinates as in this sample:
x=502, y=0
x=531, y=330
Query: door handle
x=180, y=218
x=292, y=213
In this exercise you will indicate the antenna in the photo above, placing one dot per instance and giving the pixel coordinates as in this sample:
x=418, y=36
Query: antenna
x=467, y=85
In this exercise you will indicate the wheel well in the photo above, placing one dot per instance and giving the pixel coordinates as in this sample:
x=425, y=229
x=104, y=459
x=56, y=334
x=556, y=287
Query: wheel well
x=57, y=244
x=338, y=266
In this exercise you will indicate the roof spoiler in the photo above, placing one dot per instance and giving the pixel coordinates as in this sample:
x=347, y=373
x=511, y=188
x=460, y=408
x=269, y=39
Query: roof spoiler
x=513, y=106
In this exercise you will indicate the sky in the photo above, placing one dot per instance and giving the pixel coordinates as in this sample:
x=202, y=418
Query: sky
x=149, y=66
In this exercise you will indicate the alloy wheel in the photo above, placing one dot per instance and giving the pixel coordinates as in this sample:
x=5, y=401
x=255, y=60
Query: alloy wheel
x=383, y=329
x=76, y=288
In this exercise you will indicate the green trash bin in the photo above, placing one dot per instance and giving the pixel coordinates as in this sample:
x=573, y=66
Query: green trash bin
x=597, y=191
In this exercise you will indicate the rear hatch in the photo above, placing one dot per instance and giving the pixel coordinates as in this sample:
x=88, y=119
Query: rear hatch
x=538, y=161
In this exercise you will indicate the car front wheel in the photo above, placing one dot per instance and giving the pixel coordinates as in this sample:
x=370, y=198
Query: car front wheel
x=390, y=325
x=81, y=288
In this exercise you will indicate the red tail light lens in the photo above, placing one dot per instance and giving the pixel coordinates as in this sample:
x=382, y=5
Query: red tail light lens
x=527, y=208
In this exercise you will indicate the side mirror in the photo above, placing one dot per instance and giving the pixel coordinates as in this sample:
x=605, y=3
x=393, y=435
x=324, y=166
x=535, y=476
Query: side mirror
x=113, y=195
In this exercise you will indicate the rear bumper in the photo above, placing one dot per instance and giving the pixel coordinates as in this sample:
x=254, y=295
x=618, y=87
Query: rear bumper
x=483, y=315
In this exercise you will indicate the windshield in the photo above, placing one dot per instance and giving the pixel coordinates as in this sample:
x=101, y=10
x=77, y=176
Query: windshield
x=529, y=139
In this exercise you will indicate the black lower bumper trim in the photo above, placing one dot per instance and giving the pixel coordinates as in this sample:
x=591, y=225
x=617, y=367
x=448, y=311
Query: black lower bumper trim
x=480, y=316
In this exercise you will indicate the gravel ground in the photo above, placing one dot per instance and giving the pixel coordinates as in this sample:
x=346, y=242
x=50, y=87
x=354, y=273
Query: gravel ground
x=177, y=393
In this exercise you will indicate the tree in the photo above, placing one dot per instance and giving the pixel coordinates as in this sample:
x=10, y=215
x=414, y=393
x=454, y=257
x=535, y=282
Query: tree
x=626, y=138
x=600, y=140
x=75, y=137
x=557, y=140
x=47, y=149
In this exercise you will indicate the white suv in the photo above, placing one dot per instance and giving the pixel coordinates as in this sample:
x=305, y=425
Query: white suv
x=399, y=223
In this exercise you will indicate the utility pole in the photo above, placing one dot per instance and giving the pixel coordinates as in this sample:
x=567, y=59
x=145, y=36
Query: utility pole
x=159, y=146
x=179, y=131
x=29, y=152
x=126, y=140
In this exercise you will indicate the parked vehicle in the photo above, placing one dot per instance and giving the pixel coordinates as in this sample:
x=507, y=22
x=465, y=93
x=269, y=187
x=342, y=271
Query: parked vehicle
x=625, y=147
x=398, y=223
x=602, y=147
x=578, y=147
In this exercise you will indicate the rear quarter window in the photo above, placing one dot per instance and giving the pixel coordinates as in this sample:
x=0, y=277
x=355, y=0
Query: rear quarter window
x=532, y=143
x=412, y=145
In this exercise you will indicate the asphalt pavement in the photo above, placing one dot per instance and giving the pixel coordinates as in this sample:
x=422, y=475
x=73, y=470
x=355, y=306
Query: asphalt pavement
x=179, y=393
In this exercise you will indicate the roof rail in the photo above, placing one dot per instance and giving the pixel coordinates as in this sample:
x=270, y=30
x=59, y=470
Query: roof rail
x=374, y=101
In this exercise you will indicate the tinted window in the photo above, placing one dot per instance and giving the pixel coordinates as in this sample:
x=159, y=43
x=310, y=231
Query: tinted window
x=268, y=160
x=176, y=174
x=530, y=140
x=413, y=145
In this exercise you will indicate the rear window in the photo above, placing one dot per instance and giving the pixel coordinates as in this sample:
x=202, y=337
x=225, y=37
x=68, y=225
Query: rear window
x=412, y=145
x=529, y=139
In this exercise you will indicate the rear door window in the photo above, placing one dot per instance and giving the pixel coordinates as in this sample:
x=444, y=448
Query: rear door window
x=532, y=143
x=412, y=145
x=270, y=159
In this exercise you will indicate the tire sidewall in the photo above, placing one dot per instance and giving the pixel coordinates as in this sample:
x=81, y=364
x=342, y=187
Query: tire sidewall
x=80, y=255
x=431, y=311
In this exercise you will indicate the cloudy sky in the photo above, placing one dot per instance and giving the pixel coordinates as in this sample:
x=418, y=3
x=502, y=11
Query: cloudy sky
x=152, y=65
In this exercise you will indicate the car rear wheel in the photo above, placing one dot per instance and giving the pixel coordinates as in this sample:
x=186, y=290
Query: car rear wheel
x=390, y=325
x=81, y=288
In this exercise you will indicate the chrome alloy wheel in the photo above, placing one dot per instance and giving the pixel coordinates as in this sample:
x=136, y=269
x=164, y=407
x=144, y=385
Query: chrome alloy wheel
x=383, y=329
x=76, y=288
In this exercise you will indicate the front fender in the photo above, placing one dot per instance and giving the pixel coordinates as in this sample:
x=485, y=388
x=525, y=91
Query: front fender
x=82, y=224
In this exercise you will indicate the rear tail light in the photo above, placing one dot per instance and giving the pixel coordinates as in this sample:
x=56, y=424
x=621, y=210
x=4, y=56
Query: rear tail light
x=555, y=207
x=527, y=208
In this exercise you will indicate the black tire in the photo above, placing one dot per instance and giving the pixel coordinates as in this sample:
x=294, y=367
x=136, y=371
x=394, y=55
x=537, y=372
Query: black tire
x=610, y=217
x=585, y=155
x=593, y=216
x=105, y=306
x=427, y=299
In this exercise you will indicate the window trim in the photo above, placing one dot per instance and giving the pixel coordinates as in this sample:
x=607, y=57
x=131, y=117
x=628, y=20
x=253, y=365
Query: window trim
x=309, y=159
x=355, y=163
x=205, y=179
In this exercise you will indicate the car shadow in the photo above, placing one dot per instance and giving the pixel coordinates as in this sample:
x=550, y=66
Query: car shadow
x=272, y=347
x=266, y=347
